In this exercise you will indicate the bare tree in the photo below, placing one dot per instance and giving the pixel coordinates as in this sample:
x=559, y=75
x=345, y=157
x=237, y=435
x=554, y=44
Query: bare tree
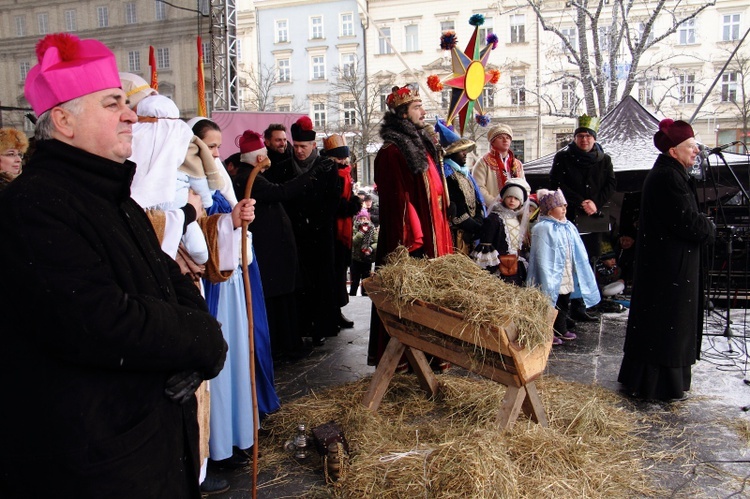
x=259, y=81
x=610, y=40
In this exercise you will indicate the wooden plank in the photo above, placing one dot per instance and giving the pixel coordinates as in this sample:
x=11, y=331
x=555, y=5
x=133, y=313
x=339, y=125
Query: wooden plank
x=427, y=379
x=510, y=406
x=531, y=362
x=532, y=405
x=383, y=374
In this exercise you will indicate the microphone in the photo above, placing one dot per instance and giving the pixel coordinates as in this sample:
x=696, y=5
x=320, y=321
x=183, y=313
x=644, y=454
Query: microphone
x=717, y=150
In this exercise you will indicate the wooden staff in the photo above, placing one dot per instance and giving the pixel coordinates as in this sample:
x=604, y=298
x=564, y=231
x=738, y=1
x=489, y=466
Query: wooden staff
x=250, y=332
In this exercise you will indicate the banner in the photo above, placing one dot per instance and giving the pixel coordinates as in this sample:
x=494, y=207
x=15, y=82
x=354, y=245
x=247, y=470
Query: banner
x=201, y=82
x=152, y=63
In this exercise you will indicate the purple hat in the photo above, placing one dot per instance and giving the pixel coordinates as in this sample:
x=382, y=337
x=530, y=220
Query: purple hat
x=672, y=133
x=69, y=68
x=549, y=200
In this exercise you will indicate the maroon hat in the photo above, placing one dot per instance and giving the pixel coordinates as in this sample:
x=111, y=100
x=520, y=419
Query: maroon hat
x=672, y=133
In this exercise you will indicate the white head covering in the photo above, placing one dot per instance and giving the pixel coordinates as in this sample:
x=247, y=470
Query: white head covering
x=158, y=150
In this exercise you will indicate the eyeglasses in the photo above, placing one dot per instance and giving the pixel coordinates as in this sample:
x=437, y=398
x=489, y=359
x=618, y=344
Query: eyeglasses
x=12, y=154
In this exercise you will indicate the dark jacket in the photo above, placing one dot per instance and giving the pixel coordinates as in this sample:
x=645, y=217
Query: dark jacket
x=96, y=318
x=664, y=325
x=583, y=176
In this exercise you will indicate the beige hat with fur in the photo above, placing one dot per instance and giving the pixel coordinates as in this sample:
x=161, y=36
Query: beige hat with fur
x=496, y=130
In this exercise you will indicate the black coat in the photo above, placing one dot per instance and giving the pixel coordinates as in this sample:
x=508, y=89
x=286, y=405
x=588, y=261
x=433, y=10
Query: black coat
x=665, y=320
x=273, y=237
x=582, y=176
x=96, y=318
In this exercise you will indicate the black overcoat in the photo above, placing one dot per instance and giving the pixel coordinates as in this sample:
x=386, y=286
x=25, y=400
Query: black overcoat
x=96, y=318
x=665, y=320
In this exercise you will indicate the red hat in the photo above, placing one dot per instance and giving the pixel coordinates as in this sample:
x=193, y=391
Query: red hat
x=251, y=145
x=69, y=68
x=302, y=130
x=672, y=133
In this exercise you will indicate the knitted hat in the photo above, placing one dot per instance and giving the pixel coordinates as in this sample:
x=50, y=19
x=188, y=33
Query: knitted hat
x=496, y=130
x=550, y=199
x=587, y=124
x=362, y=214
x=451, y=141
x=302, y=130
x=10, y=138
x=335, y=146
x=251, y=146
x=69, y=68
x=135, y=88
x=401, y=96
x=671, y=134
x=516, y=187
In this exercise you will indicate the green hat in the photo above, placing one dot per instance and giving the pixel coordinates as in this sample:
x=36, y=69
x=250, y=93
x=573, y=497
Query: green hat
x=586, y=123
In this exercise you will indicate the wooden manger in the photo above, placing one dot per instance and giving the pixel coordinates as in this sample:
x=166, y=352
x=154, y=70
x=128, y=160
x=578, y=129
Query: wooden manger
x=423, y=328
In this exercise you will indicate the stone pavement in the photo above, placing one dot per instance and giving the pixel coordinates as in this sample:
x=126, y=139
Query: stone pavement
x=704, y=423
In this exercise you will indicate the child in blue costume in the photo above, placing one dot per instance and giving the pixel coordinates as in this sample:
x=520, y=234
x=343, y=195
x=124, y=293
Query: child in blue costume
x=558, y=263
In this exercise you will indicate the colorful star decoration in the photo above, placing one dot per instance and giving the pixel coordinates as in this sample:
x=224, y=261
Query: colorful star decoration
x=469, y=75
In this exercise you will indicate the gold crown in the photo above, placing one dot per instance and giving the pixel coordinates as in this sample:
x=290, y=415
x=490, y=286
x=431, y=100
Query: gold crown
x=333, y=142
x=590, y=122
x=403, y=95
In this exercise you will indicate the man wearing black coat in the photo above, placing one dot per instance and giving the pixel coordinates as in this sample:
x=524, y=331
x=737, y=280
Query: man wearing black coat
x=104, y=340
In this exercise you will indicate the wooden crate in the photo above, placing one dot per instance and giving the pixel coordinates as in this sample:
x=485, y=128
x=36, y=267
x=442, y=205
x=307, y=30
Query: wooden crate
x=425, y=328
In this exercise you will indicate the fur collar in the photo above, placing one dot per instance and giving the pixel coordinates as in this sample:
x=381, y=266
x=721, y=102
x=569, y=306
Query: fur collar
x=407, y=138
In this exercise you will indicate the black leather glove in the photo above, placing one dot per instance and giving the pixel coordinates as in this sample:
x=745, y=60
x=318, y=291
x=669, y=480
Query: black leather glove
x=325, y=165
x=181, y=387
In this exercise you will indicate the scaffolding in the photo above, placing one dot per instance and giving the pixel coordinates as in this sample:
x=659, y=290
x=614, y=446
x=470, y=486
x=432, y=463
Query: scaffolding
x=224, y=73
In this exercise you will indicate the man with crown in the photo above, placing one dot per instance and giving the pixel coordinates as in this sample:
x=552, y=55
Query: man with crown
x=104, y=339
x=583, y=171
x=413, y=195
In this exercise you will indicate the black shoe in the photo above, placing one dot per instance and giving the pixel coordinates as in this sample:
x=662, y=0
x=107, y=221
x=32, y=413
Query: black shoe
x=318, y=342
x=570, y=323
x=345, y=323
x=580, y=315
x=231, y=463
x=214, y=485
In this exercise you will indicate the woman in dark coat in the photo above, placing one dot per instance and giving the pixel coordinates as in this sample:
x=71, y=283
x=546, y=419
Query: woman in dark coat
x=665, y=323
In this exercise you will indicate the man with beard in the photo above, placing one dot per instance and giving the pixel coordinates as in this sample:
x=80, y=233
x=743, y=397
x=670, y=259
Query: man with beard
x=467, y=207
x=413, y=196
x=313, y=217
x=279, y=151
x=585, y=175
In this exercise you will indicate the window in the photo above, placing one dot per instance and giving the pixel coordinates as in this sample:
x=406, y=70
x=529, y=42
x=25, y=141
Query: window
x=134, y=61
x=282, y=31
x=517, y=28
x=319, y=115
x=238, y=48
x=284, y=68
x=447, y=26
x=562, y=140
x=686, y=84
x=604, y=37
x=729, y=87
x=318, y=66
x=71, y=21
x=162, y=58
x=384, y=41
x=517, y=147
x=488, y=96
x=384, y=92
x=411, y=38
x=20, y=25
x=568, y=94
x=204, y=6
x=102, y=16
x=641, y=29
x=571, y=35
x=646, y=92
x=347, y=24
x=207, y=56
x=316, y=27
x=23, y=69
x=350, y=115
x=445, y=98
x=130, y=15
x=284, y=108
x=42, y=21
x=485, y=29
x=160, y=10
x=730, y=27
x=686, y=32
x=348, y=65
x=518, y=90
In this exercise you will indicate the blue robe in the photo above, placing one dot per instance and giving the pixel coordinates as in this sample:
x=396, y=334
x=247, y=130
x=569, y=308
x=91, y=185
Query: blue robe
x=231, y=398
x=549, y=238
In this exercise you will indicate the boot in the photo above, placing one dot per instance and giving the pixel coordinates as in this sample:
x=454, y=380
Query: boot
x=578, y=311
